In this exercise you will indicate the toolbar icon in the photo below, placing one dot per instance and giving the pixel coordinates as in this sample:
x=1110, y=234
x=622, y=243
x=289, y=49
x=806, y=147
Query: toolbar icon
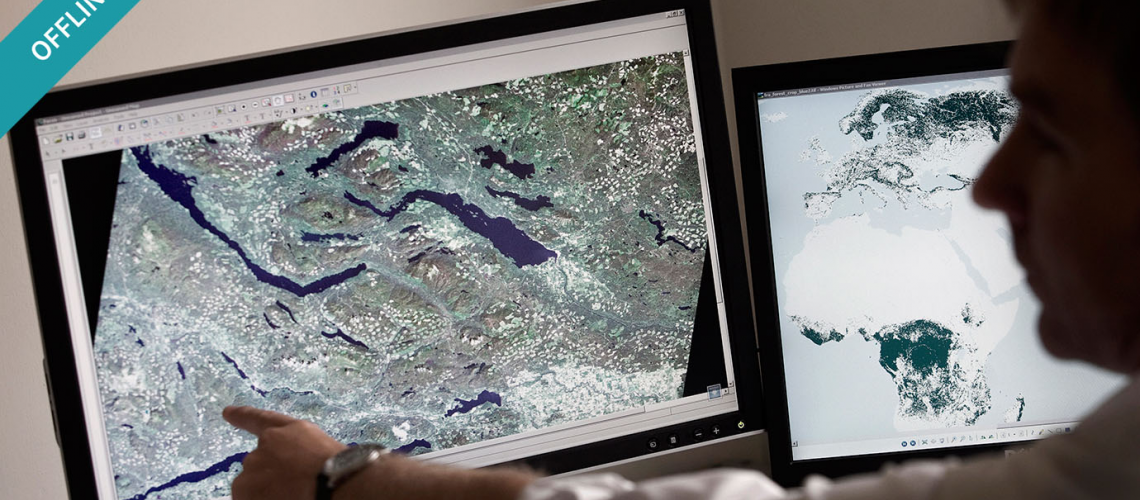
x=714, y=391
x=278, y=100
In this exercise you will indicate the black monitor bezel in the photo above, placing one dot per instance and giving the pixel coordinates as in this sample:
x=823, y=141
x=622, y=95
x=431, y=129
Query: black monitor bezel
x=747, y=83
x=59, y=362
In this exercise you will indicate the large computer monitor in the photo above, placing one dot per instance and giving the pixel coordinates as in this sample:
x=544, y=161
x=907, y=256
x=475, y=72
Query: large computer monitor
x=494, y=241
x=894, y=320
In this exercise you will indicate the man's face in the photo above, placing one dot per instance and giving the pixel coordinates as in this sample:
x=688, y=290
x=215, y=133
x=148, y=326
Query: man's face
x=1068, y=178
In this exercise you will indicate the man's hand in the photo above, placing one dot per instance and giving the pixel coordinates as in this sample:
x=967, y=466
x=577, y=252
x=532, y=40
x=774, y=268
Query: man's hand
x=290, y=454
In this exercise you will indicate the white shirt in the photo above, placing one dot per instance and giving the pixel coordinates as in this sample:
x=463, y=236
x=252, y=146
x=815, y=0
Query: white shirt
x=1099, y=460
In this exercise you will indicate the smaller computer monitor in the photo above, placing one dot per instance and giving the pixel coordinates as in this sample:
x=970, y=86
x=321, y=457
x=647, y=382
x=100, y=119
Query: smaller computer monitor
x=894, y=321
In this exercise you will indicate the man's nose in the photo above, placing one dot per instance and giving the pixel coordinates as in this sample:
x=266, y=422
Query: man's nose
x=1001, y=183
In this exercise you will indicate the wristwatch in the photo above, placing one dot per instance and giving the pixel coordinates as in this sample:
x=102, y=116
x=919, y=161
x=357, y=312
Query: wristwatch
x=344, y=465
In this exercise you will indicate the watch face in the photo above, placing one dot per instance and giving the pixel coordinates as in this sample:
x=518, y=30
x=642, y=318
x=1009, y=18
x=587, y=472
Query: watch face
x=352, y=459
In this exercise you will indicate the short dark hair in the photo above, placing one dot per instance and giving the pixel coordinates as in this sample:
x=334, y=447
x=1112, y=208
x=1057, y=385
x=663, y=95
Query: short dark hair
x=1110, y=26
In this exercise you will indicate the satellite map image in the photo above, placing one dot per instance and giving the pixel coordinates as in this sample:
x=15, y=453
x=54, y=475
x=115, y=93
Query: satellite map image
x=891, y=277
x=936, y=358
x=424, y=273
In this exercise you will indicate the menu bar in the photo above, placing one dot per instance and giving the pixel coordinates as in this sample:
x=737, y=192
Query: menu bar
x=113, y=132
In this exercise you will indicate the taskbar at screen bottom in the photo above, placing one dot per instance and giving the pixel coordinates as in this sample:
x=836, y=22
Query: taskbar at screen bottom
x=930, y=441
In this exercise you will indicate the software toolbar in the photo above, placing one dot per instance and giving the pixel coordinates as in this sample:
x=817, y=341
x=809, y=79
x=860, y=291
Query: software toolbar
x=132, y=128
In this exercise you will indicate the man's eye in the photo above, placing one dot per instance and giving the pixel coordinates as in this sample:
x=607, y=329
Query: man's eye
x=1042, y=135
x=1043, y=139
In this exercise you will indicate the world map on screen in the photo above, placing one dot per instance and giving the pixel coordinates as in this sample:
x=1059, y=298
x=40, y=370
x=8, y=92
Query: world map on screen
x=902, y=308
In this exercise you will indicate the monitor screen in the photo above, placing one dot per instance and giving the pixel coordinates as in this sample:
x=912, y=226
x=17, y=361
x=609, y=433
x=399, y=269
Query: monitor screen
x=904, y=321
x=477, y=254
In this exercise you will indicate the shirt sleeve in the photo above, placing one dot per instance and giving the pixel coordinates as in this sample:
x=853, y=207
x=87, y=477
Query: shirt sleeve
x=1061, y=468
x=721, y=484
x=913, y=481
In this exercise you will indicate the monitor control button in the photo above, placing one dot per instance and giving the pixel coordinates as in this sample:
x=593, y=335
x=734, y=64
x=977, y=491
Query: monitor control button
x=652, y=444
x=715, y=431
x=673, y=440
x=698, y=434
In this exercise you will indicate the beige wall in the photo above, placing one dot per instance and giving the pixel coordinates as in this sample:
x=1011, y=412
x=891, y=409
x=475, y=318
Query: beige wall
x=166, y=33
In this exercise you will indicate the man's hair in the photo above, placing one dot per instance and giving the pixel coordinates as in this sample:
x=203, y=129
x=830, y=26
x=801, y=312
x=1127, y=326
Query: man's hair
x=1110, y=26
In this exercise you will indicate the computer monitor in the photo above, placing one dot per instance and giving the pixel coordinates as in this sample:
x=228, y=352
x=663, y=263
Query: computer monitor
x=489, y=242
x=894, y=320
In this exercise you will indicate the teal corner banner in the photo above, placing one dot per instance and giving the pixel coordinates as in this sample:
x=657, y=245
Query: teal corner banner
x=46, y=45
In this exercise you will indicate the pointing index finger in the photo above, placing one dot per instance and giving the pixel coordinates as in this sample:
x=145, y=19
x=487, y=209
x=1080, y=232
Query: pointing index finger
x=254, y=420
